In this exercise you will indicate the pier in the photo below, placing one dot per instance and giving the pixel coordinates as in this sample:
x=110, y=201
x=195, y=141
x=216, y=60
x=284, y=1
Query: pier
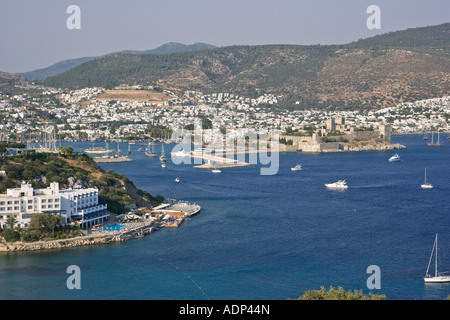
x=112, y=160
x=217, y=161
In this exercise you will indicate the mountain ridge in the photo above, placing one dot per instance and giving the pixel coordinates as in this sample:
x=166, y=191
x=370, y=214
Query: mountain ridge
x=384, y=70
x=64, y=65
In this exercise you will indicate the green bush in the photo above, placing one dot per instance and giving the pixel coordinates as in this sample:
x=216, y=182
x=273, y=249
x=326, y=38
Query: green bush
x=10, y=235
x=339, y=294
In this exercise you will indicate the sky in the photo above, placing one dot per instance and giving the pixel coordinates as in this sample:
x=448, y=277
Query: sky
x=34, y=33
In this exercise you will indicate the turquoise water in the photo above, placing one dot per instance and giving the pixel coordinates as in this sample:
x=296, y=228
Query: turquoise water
x=113, y=227
x=266, y=237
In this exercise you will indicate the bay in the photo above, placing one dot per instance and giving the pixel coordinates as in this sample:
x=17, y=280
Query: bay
x=265, y=237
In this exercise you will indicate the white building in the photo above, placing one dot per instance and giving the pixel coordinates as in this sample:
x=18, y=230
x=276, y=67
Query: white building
x=79, y=205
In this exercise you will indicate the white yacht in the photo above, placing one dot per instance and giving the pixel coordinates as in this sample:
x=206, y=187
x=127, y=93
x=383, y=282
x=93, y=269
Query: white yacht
x=216, y=171
x=296, y=168
x=340, y=185
x=395, y=158
x=425, y=184
x=180, y=153
x=438, y=277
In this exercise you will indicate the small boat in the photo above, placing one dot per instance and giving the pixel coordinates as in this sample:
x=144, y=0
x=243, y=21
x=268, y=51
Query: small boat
x=181, y=153
x=177, y=179
x=163, y=165
x=339, y=185
x=140, y=150
x=425, y=137
x=216, y=171
x=150, y=152
x=426, y=185
x=438, y=277
x=162, y=157
x=297, y=168
x=395, y=158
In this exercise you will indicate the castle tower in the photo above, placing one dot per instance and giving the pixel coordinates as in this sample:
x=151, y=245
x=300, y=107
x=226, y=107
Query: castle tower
x=385, y=131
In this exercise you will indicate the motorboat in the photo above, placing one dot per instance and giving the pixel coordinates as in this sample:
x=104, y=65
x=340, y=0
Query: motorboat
x=395, y=158
x=180, y=153
x=216, y=171
x=297, y=168
x=339, y=185
x=177, y=179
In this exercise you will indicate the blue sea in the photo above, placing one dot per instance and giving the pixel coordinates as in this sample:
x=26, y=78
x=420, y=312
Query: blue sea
x=265, y=237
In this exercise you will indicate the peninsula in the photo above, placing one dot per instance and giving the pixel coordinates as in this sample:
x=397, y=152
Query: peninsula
x=336, y=136
x=58, y=200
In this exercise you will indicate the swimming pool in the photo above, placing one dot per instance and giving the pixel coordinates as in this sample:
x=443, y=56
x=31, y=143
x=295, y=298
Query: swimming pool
x=113, y=227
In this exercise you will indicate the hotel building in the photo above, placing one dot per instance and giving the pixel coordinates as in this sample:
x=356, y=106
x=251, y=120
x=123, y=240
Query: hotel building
x=80, y=205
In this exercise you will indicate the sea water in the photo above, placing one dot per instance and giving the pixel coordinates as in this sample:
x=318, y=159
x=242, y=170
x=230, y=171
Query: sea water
x=265, y=237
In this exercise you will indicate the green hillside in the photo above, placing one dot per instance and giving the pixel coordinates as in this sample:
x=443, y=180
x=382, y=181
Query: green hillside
x=379, y=71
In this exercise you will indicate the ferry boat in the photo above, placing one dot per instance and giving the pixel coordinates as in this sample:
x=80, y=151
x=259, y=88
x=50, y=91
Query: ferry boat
x=340, y=185
x=395, y=158
x=97, y=150
x=296, y=168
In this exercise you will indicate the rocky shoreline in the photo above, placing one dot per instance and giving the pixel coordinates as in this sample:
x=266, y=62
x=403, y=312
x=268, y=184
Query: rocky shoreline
x=87, y=240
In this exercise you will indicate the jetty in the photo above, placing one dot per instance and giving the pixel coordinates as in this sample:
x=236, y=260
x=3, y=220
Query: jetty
x=215, y=161
x=112, y=159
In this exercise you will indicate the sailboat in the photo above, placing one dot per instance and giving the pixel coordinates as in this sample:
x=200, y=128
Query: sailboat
x=426, y=185
x=438, y=278
x=434, y=144
x=150, y=153
x=425, y=137
x=162, y=157
x=129, y=150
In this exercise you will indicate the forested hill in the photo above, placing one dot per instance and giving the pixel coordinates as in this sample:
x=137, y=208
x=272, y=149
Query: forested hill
x=380, y=71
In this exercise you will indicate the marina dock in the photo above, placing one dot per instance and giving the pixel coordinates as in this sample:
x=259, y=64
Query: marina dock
x=111, y=159
x=217, y=161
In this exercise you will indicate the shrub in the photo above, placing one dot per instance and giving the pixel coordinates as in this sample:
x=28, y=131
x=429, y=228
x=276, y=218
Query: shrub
x=339, y=294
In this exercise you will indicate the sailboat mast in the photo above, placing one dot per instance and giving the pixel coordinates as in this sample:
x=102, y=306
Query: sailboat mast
x=435, y=260
x=431, y=256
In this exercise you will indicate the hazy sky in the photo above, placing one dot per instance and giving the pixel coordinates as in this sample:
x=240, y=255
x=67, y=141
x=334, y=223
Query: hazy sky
x=33, y=33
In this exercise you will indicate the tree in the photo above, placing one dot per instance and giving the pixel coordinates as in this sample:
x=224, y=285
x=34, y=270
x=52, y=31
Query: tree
x=339, y=294
x=44, y=222
x=11, y=222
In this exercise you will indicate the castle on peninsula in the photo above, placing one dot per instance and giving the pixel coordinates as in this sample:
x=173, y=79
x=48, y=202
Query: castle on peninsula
x=337, y=136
